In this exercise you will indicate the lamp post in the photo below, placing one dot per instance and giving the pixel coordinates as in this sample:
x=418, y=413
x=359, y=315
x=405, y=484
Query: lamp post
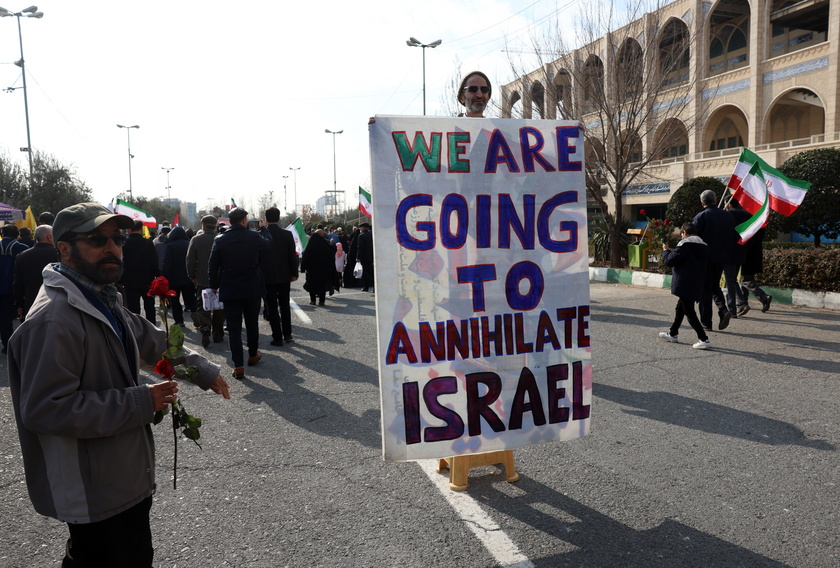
x=335, y=186
x=285, y=198
x=168, y=186
x=31, y=12
x=294, y=174
x=413, y=42
x=128, y=131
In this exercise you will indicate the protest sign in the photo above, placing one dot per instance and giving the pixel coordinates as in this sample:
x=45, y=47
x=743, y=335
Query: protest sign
x=482, y=284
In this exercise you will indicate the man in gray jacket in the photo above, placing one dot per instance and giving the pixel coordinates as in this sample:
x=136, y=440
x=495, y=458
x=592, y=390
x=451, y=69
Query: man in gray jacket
x=82, y=414
x=198, y=259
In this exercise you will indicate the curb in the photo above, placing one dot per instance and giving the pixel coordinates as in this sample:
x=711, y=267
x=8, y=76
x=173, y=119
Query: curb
x=792, y=296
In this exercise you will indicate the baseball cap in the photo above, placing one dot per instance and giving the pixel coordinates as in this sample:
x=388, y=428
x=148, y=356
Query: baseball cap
x=84, y=218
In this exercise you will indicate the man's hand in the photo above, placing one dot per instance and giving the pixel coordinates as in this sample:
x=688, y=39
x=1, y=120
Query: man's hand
x=221, y=387
x=163, y=394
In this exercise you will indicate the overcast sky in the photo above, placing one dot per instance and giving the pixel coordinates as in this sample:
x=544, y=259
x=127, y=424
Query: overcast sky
x=233, y=95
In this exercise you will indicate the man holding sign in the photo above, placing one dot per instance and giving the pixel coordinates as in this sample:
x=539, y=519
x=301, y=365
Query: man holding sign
x=482, y=281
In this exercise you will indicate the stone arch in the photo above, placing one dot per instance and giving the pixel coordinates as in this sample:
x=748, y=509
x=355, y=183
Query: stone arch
x=726, y=128
x=629, y=69
x=595, y=155
x=729, y=33
x=538, y=100
x=515, y=105
x=795, y=114
x=674, y=53
x=593, y=83
x=631, y=146
x=563, y=94
x=671, y=139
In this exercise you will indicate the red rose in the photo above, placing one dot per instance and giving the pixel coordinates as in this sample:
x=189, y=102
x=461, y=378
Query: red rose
x=160, y=287
x=667, y=222
x=641, y=211
x=164, y=369
x=656, y=223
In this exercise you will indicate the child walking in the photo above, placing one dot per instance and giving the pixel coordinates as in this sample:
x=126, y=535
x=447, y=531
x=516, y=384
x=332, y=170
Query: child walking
x=688, y=269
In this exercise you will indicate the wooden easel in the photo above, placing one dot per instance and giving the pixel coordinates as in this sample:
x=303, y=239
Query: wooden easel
x=460, y=466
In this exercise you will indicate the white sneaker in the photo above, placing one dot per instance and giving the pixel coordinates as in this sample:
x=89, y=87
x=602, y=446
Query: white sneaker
x=702, y=344
x=668, y=337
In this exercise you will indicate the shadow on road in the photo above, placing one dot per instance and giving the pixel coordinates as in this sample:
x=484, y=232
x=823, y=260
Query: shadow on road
x=707, y=417
x=600, y=540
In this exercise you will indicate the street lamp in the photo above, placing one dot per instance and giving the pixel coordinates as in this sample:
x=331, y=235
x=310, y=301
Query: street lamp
x=285, y=198
x=168, y=186
x=413, y=42
x=294, y=174
x=335, y=187
x=31, y=12
x=128, y=131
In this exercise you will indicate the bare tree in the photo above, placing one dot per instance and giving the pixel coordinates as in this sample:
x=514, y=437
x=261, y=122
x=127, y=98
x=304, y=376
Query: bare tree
x=632, y=81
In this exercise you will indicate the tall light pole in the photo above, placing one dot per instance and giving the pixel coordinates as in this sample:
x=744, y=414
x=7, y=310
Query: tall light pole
x=128, y=131
x=294, y=174
x=31, y=12
x=285, y=198
x=335, y=185
x=413, y=42
x=168, y=186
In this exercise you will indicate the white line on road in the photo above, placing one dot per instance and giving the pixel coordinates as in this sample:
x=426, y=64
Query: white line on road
x=496, y=541
x=299, y=312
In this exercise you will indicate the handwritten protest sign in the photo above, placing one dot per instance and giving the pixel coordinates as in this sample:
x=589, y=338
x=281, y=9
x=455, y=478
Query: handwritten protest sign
x=482, y=284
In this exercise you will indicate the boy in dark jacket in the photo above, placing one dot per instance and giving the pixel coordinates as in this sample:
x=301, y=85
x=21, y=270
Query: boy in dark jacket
x=688, y=267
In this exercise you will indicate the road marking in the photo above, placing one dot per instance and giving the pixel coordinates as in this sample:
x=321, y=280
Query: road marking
x=496, y=541
x=299, y=312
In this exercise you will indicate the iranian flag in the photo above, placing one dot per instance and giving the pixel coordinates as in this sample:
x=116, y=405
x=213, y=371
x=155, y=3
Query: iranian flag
x=125, y=208
x=299, y=235
x=785, y=194
x=755, y=185
x=365, y=203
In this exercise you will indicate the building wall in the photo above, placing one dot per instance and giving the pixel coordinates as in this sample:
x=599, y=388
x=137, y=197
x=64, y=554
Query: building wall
x=777, y=91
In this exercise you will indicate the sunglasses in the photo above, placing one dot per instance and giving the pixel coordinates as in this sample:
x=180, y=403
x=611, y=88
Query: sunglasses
x=99, y=241
x=474, y=89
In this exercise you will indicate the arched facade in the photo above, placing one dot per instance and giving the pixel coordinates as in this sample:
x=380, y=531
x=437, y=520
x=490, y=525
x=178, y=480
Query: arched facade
x=726, y=128
x=796, y=115
x=729, y=31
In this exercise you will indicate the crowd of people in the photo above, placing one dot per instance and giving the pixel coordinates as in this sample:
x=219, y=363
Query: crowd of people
x=710, y=248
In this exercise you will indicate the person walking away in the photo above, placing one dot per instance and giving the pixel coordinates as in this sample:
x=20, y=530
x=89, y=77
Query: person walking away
x=175, y=270
x=754, y=264
x=160, y=241
x=279, y=272
x=29, y=265
x=716, y=227
x=83, y=414
x=318, y=262
x=10, y=248
x=210, y=323
x=140, y=267
x=235, y=273
x=365, y=256
x=736, y=299
x=688, y=268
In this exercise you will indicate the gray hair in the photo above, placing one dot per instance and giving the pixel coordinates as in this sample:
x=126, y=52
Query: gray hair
x=42, y=233
x=708, y=197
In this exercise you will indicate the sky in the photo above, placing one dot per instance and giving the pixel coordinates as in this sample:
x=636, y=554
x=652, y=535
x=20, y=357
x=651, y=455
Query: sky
x=233, y=98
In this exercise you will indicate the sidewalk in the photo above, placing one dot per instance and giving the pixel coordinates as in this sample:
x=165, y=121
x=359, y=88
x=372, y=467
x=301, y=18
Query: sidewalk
x=792, y=296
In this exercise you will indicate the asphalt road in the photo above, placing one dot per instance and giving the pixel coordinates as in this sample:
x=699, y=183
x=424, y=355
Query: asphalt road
x=723, y=458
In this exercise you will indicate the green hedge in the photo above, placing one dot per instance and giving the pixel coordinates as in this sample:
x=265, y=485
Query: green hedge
x=805, y=268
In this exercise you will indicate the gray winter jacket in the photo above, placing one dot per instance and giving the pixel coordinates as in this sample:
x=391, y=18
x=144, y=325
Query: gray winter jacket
x=83, y=416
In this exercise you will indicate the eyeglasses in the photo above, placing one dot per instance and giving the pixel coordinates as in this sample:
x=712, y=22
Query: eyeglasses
x=474, y=89
x=99, y=241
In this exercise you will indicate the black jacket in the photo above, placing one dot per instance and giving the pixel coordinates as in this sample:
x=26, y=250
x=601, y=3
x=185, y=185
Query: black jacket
x=175, y=259
x=282, y=265
x=28, y=268
x=717, y=229
x=235, y=264
x=140, y=262
x=688, y=268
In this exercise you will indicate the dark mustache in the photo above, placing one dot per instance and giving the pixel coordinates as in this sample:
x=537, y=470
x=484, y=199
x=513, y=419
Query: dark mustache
x=102, y=261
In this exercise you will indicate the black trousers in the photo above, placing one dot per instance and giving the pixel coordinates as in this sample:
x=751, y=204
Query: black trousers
x=132, y=302
x=277, y=297
x=123, y=540
x=235, y=310
x=685, y=309
x=712, y=294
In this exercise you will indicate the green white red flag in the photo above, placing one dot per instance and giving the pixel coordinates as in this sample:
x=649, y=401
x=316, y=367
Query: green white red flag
x=755, y=185
x=785, y=194
x=125, y=208
x=365, y=203
x=301, y=239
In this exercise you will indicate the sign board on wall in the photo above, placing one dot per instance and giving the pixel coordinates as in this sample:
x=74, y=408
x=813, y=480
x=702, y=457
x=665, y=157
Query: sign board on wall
x=482, y=282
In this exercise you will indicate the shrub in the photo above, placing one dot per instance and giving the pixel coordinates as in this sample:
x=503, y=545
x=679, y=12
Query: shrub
x=814, y=269
x=685, y=203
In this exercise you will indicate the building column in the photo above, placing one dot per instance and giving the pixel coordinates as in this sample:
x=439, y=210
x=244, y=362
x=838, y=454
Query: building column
x=759, y=25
